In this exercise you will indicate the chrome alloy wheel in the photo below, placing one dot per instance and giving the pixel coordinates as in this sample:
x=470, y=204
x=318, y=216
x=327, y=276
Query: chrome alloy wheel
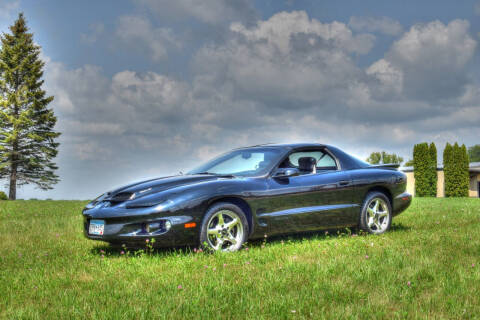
x=377, y=215
x=225, y=231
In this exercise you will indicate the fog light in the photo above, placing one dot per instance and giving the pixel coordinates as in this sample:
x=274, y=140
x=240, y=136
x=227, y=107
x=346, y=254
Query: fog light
x=168, y=225
x=152, y=227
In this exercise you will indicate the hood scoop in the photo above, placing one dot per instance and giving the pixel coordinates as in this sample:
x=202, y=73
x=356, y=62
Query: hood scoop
x=121, y=197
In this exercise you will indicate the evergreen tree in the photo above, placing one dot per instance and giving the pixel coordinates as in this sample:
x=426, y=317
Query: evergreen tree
x=448, y=169
x=421, y=164
x=455, y=167
x=27, y=136
x=457, y=170
x=432, y=170
x=465, y=183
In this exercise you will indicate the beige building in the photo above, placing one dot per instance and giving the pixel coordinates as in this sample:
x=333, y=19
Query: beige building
x=474, y=189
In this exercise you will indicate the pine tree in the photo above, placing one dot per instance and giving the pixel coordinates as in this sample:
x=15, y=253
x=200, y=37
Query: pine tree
x=27, y=136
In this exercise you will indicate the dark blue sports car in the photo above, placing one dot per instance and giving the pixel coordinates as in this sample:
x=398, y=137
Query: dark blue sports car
x=249, y=192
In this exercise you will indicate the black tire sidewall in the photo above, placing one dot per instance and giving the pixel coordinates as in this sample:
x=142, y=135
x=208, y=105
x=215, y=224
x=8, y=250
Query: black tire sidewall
x=215, y=208
x=363, y=214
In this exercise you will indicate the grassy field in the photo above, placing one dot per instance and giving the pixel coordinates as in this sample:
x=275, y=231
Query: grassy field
x=428, y=266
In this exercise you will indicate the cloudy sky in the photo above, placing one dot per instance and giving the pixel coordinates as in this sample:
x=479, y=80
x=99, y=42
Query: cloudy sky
x=146, y=88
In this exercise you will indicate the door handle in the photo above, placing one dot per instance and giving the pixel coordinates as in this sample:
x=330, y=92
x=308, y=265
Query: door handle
x=344, y=182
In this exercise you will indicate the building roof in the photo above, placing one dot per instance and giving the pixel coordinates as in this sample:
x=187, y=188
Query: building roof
x=473, y=167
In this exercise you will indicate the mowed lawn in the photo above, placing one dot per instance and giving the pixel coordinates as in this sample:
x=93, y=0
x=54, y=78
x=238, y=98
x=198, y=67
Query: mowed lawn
x=427, y=266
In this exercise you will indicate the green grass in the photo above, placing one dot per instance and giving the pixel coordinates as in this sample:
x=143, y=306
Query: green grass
x=428, y=266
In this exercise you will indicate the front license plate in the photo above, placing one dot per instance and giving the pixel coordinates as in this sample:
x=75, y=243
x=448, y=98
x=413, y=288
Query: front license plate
x=96, y=227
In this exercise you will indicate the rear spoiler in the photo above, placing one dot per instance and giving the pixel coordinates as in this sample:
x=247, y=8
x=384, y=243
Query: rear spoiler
x=392, y=166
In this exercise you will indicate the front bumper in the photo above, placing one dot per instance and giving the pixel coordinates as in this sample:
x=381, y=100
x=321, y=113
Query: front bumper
x=401, y=203
x=132, y=231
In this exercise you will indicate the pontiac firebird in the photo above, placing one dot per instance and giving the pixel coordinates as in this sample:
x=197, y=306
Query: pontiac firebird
x=248, y=193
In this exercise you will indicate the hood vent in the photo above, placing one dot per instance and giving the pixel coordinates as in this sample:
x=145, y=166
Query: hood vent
x=121, y=197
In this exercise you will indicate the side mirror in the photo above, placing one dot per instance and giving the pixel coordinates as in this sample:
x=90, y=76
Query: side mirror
x=286, y=173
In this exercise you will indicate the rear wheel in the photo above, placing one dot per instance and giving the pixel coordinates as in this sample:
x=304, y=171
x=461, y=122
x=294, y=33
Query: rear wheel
x=376, y=215
x=224, y=227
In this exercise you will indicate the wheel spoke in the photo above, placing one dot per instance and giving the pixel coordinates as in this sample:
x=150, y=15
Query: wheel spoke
x=382, y=214
x=213, y=232
x=370, y=212
x=375, y=207
x=220, y=219
x=219, y=244
x=370, y=222
x=231, y=238
x=231, y=224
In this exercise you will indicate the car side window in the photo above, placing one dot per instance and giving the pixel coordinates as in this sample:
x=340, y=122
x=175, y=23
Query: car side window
x=324, y=160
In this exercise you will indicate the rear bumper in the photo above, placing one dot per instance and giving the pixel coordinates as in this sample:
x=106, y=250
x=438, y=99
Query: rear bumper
x=401, y=203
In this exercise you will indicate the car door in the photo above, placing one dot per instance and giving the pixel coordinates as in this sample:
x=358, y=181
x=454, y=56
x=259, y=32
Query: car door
x=309, y=201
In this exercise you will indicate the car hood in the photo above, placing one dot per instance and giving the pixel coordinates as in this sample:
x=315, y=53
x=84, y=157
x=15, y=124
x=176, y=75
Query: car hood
x=144, y=188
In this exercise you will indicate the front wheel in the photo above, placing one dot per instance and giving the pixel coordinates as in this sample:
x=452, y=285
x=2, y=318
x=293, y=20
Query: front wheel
x=376, y=215
x=224, y=228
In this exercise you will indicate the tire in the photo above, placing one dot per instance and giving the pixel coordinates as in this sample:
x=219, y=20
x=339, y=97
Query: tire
x=376, y=215
x=224, y=228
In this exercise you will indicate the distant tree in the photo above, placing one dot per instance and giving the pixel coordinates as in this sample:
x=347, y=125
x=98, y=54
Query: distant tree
x=27, y=138
x=474, y=153
x=409, y=163
x=384, y=158
x=374, y=158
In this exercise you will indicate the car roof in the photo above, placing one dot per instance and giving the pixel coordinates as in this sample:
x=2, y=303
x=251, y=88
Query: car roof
x=286, y=145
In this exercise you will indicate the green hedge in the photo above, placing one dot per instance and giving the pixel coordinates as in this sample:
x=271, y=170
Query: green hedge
x=455, y=167
x=425, y=169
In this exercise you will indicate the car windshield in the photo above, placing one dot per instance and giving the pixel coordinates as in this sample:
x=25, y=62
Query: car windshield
x=244, y=162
